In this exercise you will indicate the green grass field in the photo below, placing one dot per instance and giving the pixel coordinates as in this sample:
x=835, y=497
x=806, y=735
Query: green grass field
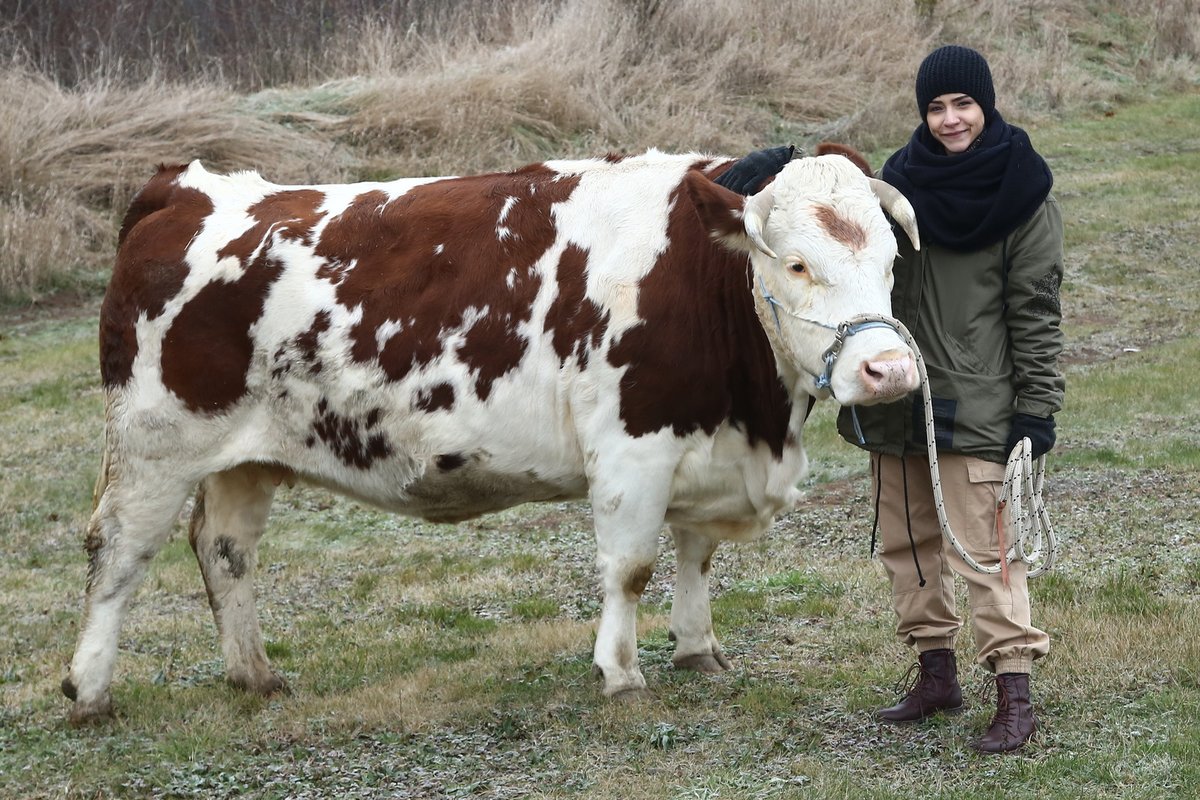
x=452, y=661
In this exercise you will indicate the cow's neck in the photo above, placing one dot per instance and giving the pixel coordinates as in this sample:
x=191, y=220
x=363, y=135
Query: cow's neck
x=762, y=385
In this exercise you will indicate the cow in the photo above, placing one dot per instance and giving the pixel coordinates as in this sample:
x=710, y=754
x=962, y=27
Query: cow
x=620, y=329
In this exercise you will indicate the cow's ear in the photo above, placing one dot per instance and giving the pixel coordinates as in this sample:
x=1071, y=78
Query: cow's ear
x=721, y=211
x=857, y=158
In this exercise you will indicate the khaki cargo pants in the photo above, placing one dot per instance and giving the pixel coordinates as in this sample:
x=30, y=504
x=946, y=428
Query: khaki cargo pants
x=928, y=619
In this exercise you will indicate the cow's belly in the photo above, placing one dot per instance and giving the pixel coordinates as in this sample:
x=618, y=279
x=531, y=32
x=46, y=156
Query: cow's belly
x=441, y=495
x=387, y=444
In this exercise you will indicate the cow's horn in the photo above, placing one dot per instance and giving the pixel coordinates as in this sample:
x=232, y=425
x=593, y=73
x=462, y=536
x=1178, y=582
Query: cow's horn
x=758, y=208
x=898, y=206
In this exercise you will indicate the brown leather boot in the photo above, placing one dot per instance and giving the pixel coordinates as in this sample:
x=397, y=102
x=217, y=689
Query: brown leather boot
x=1014, y=722
x=935, y=689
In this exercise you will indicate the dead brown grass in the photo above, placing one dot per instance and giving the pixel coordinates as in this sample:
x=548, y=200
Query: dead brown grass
x=484, y=85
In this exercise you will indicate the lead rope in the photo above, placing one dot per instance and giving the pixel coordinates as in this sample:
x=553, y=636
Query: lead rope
x=1020, y=494
x=1021, y=482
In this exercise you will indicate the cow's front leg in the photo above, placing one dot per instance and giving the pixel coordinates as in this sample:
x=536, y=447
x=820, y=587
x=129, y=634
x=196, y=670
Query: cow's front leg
x=696, y=647
x=227, y=522
x=628, y=516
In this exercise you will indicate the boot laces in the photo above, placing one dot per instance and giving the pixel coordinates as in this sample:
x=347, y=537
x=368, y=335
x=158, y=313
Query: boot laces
x=1006, y=717
x=913, y=680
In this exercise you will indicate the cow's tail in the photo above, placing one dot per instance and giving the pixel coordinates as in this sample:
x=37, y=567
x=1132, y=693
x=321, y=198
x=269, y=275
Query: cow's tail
x=154, y=196
x=105, y=455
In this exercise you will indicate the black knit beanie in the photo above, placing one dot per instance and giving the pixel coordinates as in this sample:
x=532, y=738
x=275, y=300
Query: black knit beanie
x=951, y=69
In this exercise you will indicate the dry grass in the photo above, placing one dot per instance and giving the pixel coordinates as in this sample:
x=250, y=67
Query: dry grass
x=98, y=140
x=419, y=88
x=44, y=236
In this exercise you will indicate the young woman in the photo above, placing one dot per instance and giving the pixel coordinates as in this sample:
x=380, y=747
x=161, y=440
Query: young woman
x=981, y=298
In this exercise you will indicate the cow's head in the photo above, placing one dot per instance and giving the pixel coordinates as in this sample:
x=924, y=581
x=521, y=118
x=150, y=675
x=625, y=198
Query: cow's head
x=822, y=253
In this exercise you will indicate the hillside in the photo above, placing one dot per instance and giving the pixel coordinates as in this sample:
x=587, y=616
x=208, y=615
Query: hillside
x=92, y=99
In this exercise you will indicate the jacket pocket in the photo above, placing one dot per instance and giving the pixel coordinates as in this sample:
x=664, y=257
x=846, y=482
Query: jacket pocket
x=983, y=407
x=980, y=471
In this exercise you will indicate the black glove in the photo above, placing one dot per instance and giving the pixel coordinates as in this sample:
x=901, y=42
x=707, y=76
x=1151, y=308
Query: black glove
x=1040, y=431
x=747, y=174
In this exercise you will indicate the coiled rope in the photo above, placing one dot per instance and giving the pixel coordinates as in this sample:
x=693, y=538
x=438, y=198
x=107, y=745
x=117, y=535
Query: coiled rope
x=1020, y=495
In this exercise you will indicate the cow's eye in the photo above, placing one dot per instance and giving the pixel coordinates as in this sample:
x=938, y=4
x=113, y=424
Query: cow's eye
x=798, y=268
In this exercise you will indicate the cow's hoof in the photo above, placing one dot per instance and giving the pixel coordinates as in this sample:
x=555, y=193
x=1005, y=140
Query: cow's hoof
x=632, y=696
x=266, y=685
x=91, y=713
x=709, y=663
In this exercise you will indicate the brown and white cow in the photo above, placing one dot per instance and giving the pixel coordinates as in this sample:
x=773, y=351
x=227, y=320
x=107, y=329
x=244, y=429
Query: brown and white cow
x=449, y=347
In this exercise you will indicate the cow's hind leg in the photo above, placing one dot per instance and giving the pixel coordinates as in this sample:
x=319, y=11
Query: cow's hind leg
x=128, y=527
x=227, y=521
x=696, y=647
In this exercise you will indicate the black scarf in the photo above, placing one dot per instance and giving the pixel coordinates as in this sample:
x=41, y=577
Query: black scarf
x=972, y=199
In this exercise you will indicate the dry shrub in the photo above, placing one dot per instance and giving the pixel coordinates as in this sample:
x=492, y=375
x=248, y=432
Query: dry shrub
x=578, y=78
x=100, y=141
x=1176, y=29
x=46, y=236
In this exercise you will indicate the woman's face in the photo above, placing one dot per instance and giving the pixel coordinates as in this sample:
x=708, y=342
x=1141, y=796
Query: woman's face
x=955, y=120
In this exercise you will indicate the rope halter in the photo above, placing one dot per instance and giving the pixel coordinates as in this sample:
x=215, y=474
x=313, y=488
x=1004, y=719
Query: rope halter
x=842, y=332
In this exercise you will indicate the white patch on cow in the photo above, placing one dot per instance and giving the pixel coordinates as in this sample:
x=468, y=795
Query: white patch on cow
x=439, y=249
x=503, y=232
x=386, y=331
x=509, y=202
x=635, y=204
x=510, y=280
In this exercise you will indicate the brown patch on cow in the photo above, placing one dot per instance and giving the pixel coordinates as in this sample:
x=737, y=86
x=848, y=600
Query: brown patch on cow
x=150, y=267
x=636, y=583
x=93, y=544
x=846, y=231
x=450, y=461
x=432, y=258
x=577, y=324
x=207, y=350
x=353, y=441
x=306, y=343
x=235, y=559
x=835, y=148
x=302, y=349
x=615, y=158
x=436, y=397
x=290, y=215
x=700, y=357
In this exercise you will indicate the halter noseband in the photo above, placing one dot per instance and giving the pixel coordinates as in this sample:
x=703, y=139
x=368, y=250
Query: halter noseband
x=842, y=332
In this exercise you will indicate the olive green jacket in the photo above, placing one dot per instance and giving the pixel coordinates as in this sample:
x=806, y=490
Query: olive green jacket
x=987, y=323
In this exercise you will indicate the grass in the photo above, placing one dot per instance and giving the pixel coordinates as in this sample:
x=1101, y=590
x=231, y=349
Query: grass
x=91, y=99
